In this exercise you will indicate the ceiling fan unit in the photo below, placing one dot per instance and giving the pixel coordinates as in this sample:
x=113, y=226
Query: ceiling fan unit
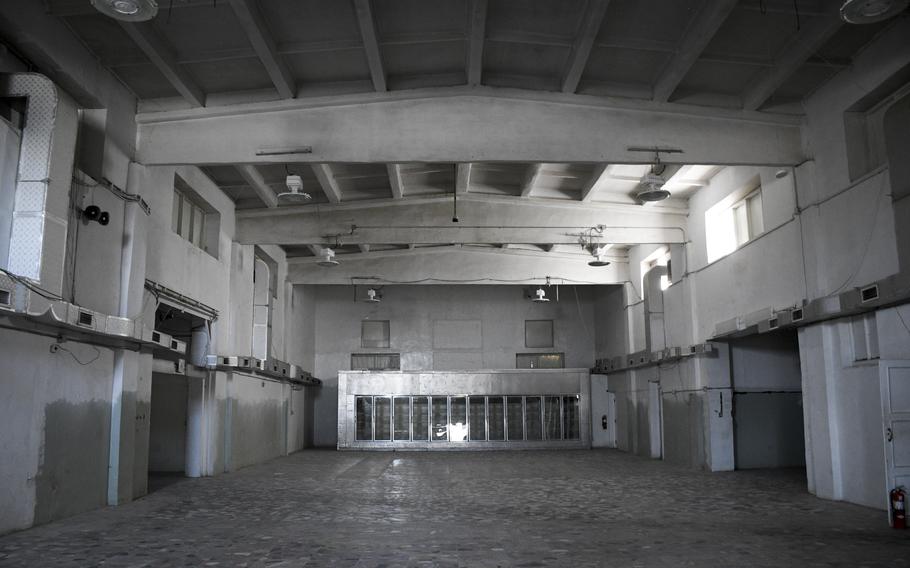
x=127, y=10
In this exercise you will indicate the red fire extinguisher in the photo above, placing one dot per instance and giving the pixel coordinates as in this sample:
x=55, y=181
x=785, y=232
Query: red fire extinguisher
x=898, y=501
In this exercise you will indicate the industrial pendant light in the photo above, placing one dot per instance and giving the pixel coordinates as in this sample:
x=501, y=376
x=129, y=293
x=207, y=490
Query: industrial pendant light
x=127, y=10
x=327, y=258
x=871, y=11
x=540, y=296
x=373, y=296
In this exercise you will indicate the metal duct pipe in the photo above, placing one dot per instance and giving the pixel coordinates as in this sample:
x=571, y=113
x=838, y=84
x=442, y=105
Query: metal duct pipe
x=39, y=221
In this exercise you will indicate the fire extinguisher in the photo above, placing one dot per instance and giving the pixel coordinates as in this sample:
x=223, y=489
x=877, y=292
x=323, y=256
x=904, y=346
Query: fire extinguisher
x=898, y=502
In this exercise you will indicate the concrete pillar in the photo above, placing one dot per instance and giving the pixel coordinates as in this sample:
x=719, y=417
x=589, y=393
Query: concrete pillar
x=195, y=427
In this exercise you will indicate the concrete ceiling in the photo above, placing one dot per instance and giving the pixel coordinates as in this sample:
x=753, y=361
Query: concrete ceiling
x=525, y=110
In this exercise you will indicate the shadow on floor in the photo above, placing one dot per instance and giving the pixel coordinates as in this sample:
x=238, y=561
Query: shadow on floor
x=161, y=479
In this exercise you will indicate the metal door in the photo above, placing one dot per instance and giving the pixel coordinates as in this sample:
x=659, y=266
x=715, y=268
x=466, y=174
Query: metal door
x=895, y=390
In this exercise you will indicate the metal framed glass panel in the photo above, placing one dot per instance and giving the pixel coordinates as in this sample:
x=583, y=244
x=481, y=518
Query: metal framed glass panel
x=533, y=409
x=420, y=418
x=570, y=417
x=478, y=411
x=458, y=425
x=496, y=418
x=552, y=418
x=382, y=425
x=516, y=418
x=402, y=417
x=364, y=410
x=440, y=418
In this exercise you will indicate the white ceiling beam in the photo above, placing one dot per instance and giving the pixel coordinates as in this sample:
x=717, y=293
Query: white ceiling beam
x=426, y=221
x=370, y=43
x=598, y=178
x=395, y=180
x=504, y=125
x=704, y=25
x=806, y=43
x=476, y=35
x=463, y=177
x=253, y=23
x=154, y=47
x=457, y=263
x=254, y=179
x=327, y=182
x=581, y=49
x=530, y=180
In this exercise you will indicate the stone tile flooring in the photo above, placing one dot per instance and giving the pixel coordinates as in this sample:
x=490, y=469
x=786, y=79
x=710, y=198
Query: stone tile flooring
x=543, y=508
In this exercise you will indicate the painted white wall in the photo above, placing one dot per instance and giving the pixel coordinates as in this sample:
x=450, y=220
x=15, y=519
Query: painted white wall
x=54, y=424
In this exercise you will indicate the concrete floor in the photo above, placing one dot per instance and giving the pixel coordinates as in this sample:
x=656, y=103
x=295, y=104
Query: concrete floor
x=568, y=508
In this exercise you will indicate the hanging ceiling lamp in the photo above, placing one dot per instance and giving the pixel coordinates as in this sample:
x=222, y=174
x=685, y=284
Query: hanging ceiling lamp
x=373, y=296
x=327, y=258
x=540, y=296
x=871, y=11
x=127, y=10
x=600, y=255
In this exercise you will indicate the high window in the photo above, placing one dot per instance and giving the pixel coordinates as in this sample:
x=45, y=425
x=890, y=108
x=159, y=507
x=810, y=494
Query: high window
x=729, y=226
x=194, y=219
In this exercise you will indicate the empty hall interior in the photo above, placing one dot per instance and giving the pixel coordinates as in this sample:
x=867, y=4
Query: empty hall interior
x=454, y=282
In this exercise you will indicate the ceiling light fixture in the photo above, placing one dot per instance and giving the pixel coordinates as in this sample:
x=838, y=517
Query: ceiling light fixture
x=327, y=258
x=600, y=257
x=295, y=193
x=540, y=296
x=127, y=10
x=373, y=296
x=871, y=11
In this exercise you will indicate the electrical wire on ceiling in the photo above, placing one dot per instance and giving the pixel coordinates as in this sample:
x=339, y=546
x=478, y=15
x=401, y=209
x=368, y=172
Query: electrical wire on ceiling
x=543, y=279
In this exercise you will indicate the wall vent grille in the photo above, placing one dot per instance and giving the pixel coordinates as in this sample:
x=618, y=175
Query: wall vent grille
x=5, y=298
x=86, y=318
x=869, y=293
x=796, y=315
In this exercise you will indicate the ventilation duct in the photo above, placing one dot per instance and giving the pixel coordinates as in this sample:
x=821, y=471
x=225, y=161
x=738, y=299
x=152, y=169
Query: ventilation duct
x=39, y=221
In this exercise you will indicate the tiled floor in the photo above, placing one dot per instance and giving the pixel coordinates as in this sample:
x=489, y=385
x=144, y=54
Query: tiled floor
x=568, y=508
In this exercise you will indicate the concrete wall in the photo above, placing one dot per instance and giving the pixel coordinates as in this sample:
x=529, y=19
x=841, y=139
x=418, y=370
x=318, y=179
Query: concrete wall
x=418, y=316
x=55, y=417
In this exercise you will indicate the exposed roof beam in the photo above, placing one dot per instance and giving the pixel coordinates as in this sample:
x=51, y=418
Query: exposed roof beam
x=530, y=179
x=808, y=40
x=353, y=128
x=493, y=221
x=254, y=179
x=327, y=182
x=254, y=25
x=463, y=177
x=704, y=25
x=581, y=50
x=455, y=263
x=370, y=43
x=598, y=177
x=395, y=180
x=148, y=40
x=475, y=41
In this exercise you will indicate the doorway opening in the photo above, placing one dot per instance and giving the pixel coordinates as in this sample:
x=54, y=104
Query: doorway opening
x=169, y=433
x=768, y=430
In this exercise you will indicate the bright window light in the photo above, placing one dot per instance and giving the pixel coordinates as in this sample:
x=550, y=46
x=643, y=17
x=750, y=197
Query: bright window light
x=730, y=226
